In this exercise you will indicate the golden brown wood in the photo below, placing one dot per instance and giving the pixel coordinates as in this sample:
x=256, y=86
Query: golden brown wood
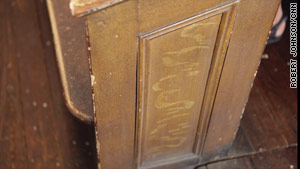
x=168, y=109
x=113, y=37
x=247, y=43
x=176, y=119
x=37, y=137
x=192, y=79
x=72, y=56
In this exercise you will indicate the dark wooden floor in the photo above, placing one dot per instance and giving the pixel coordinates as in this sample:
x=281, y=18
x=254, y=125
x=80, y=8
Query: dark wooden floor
x=36, y=129
x=38, y=132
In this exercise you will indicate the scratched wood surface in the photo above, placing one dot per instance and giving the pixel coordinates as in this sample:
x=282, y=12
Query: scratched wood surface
x=121, y=91
x=114, y=68
x=84, y=7
x=166, y=97
x=238, y=75
x=46, y=138
x=261, y=129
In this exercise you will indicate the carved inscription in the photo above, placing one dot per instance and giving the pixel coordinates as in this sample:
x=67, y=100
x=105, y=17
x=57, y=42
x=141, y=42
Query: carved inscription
x=174, y=68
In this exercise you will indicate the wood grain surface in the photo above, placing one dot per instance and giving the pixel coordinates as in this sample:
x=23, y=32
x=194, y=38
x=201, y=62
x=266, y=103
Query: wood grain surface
x=35, y=135
x=168, y=108
x=114, y=67
x=243, y=57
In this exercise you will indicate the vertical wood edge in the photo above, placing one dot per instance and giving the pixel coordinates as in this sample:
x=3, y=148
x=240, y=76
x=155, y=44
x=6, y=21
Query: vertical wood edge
x=115, y=107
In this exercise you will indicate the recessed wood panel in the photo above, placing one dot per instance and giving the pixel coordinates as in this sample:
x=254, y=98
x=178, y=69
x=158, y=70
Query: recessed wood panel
x=179, y=67
x=170, y=105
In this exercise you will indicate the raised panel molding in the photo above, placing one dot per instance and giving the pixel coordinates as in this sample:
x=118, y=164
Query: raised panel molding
x=178, y=74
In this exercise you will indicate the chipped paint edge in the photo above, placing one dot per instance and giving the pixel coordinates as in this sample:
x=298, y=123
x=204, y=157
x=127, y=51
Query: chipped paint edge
x=82, y=9
x=93, y=82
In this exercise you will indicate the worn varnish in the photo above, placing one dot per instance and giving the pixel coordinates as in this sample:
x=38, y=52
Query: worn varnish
x=171, y=84
x=83, y=7
x=169, y=109
x=114, y=68
x=53, y=126
x=242, y=60
x=175, y=112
